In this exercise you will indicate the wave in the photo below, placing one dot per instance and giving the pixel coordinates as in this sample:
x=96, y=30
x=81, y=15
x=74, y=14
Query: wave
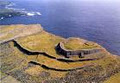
x=28, y=13
x=1, y=18
x=33, y=13
x=10, y=6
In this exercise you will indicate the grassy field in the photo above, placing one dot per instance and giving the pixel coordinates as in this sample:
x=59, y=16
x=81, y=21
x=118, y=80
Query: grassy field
x=14, y=59
x=78, y=44
x=114, y=79
x=7, y=79
x=15, y=63
x=41, y=42
x=14, y=31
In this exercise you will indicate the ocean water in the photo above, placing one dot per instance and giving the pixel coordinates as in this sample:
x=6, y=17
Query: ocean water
x=94, y=20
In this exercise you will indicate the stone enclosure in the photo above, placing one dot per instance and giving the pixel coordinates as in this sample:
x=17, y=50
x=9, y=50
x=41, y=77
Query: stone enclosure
x=69, y=53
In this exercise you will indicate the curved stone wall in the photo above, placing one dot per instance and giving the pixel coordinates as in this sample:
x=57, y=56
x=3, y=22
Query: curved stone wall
x=81, y=53
x=56, y=69
x=28, y=52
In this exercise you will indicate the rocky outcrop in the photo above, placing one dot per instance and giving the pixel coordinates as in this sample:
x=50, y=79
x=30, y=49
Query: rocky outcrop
x=81, y=53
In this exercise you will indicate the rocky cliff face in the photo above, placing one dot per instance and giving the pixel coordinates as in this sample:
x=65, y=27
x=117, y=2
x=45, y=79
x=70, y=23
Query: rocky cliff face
x=28, y=55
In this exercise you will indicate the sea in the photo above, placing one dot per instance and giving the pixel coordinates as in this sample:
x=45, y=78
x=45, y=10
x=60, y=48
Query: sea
x=94, y=20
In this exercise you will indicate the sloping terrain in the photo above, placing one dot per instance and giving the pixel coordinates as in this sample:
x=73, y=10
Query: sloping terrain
x=10, y=32
x=113, y=79
x=28, y=55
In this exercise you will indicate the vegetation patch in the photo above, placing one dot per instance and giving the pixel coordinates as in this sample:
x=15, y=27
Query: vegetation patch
x=18, y=64
x=113, y=79
x=78, y=44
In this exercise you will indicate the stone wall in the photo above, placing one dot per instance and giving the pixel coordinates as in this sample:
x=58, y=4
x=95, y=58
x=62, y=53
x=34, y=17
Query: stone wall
x=81, y=53
x=29, y=53
x=56, y=69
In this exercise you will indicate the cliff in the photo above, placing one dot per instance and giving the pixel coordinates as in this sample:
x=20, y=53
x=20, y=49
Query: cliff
x=29, y=55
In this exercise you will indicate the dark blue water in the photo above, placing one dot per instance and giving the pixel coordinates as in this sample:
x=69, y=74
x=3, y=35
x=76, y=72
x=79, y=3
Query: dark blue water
x=97, y=21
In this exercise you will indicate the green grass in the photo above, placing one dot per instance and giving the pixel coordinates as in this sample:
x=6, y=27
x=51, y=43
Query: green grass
x=2, y=75
x=14, y=31
x=114, y=79
x=77, y=44
x=43, y=41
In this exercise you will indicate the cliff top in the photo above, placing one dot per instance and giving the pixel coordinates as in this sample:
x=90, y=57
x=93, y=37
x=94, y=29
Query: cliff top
x=78, y=44
x=28, y=54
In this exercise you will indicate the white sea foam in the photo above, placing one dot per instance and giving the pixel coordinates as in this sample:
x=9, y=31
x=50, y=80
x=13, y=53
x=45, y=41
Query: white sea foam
x=30, y=14
x=1, y=18
x=22, y=11
x=10, y=15
x=38, y=13
x=33, y=13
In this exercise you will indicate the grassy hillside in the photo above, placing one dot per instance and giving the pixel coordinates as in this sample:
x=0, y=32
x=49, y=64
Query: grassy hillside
x=15, y=31
x=47, y=69
x=113, y=79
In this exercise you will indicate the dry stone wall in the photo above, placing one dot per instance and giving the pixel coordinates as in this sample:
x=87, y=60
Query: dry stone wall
x=81, y=53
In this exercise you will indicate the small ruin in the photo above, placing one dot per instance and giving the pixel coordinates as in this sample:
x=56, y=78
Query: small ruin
x=69, y=53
